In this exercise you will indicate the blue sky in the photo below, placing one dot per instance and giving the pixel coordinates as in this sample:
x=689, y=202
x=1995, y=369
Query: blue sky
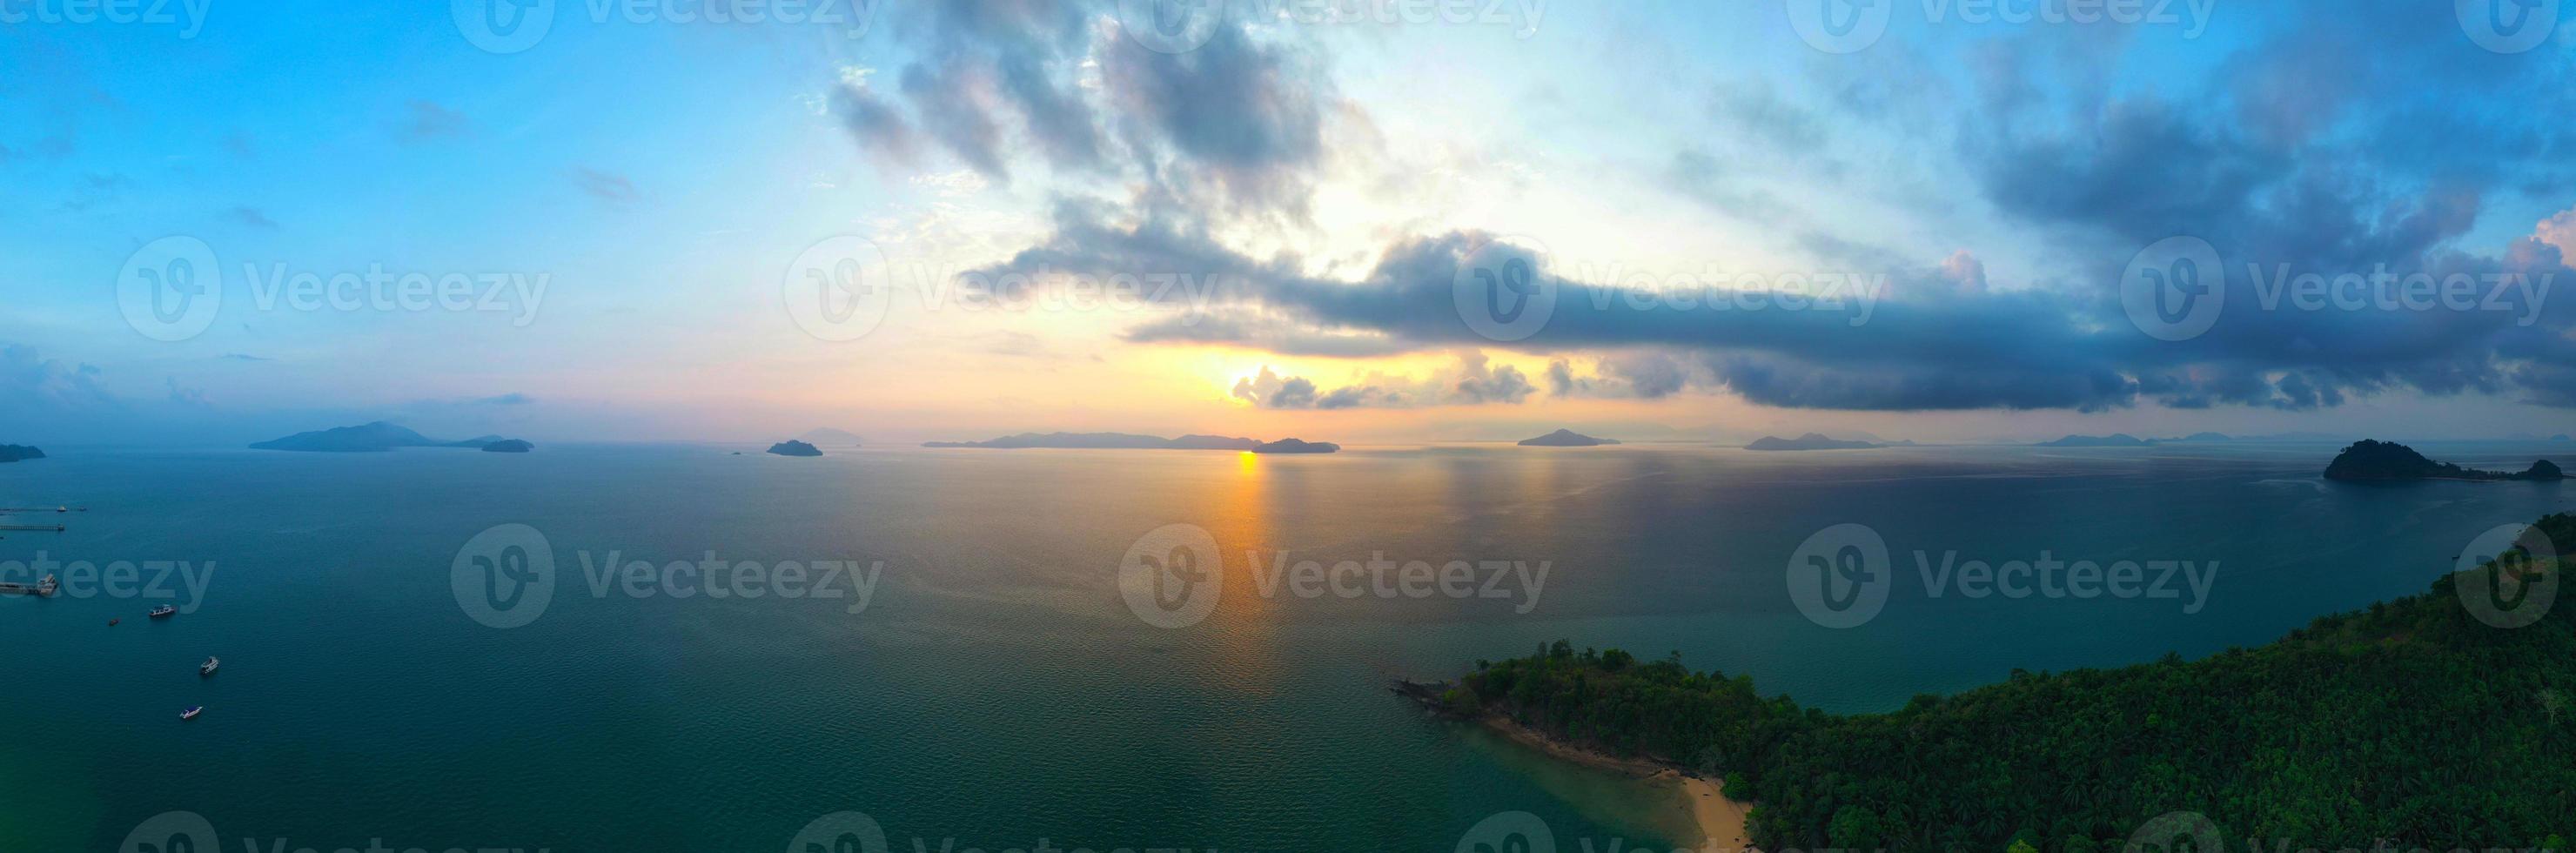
x=635, y=202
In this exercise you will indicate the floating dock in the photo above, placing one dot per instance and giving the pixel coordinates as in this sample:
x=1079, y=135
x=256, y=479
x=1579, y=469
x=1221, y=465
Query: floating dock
x=43, y=588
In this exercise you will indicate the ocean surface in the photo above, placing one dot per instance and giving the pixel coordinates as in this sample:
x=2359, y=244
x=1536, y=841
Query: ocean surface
x=997, y=689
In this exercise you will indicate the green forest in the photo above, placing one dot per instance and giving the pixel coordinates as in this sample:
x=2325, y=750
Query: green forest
x=2410, y=724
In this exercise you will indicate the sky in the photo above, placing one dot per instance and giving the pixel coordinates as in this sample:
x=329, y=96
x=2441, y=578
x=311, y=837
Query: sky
x=676, y=220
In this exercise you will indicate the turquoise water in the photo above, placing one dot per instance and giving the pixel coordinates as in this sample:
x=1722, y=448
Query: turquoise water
x=997, y=690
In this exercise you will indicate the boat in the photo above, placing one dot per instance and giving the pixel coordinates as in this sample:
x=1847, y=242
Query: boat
x=192, y=712
x=208, y=668
x=111, y=622
x=163, y=611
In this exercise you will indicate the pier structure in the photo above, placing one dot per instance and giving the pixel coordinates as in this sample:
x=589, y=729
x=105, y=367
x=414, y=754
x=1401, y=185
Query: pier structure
x=41, y=589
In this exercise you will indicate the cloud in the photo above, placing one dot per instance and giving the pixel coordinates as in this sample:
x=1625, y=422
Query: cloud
x=190, y=397
x=427, y=120
x=253, y=218
x=604, y=186
x=29, y=382
x=1234, y=127
x=1472, y=380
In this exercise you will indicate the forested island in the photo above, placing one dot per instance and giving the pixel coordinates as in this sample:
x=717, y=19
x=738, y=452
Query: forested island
x=2368, y=460
x=15, y=452
x=792, y=447
x=2409, y=721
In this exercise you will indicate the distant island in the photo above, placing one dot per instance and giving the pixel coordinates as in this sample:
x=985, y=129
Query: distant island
x=366, y=438
x=1566, y=438
x=1810, y=441
x=1290, y=445
x=2199, y=437
x=15, y=452
x=508, y=445
x=2121, y=439
x=830, y=436
x=2380, y=461
x=2078, y=760
x=1104, y=441
x=792, y=447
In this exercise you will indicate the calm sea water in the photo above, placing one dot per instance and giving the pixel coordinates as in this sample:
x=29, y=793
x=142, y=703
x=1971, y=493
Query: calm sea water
x=997, y=690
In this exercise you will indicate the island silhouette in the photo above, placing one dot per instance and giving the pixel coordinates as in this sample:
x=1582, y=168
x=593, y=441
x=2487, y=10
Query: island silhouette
x=2370, y=460
x=1566, y=438
x=373, y=437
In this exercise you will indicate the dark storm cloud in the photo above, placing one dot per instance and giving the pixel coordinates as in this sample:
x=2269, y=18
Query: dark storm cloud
x=1234, y=125
x=2369, y=141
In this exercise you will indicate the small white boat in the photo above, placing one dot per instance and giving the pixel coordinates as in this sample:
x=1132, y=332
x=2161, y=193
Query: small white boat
x=162, y=612
x=209, y=667
x=192, y=712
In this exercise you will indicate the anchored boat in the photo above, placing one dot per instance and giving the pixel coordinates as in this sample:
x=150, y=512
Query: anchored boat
x=209, y=667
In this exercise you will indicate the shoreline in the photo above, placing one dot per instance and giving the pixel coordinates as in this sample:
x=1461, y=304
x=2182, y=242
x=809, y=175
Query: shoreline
x=1719, y=819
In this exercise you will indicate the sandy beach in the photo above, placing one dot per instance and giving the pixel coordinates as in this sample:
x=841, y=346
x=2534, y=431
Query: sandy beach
x=1720, y=820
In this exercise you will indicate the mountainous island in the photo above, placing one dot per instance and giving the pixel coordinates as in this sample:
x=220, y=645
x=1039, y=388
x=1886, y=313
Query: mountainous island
x=792, y=447
x=1291, y=445
x=1104, y=441
x=830, y=436
x=2368, y=460
x=2273, y=741
x=1566, y=438
x=2119, y=439
x=1810, y=441
x=15, y=452
x=508, y=445
x=373, y=437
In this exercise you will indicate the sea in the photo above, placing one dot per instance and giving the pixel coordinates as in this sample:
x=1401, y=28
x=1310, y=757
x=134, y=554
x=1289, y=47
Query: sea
x=700, y=647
